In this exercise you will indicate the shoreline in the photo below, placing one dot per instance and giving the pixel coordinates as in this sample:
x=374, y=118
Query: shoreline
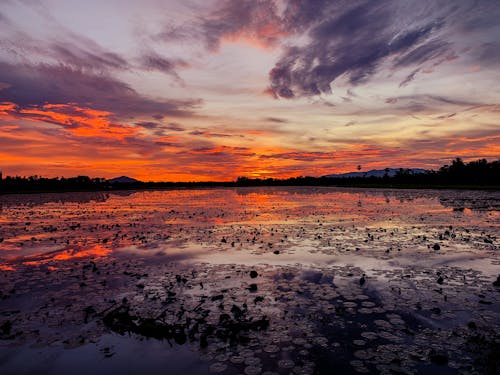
x=234, y=185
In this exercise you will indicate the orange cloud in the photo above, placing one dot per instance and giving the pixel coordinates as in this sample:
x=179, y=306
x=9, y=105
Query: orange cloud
x=83, y=122
x=167, y=140
x=6, y=108
x=88, y=141
x=263, y=36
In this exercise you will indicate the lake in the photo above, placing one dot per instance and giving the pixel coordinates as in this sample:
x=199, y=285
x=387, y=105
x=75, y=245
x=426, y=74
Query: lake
x=272, y=280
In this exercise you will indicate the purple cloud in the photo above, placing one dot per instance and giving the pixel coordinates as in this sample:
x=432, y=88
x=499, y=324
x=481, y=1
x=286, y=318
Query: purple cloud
x=155, y=62
x=351, y=40
x=276, y=120
x=57, y=84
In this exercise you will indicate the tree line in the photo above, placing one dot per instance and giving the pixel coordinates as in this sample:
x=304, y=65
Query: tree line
x=475, y=174
x=478, y=173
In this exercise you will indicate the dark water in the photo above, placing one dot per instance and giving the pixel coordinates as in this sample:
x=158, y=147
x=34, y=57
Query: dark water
x=354, y=280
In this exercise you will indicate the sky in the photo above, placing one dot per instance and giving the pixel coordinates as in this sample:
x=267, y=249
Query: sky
x=195, y=90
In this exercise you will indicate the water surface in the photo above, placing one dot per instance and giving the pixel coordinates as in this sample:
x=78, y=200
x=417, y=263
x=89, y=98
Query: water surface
x=362, y=280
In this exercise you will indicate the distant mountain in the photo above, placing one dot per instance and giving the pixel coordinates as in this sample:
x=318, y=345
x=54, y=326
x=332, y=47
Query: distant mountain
x=376, y=173
x=123, y=180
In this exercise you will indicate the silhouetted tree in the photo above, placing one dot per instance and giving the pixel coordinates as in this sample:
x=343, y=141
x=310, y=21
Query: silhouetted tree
x=475, y=173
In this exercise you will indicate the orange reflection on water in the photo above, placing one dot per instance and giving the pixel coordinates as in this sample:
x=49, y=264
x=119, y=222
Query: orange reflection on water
x=58, y=255
x=72, y=253
x=79, y=224
x=5, y=267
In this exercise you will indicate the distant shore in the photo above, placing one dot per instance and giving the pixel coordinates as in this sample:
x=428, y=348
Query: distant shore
x=128, y=187
x=475, y=175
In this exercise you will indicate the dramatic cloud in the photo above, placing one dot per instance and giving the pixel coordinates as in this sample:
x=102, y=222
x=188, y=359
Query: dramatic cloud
x=209, y=134
x=153, y=61
x=37, y=85
x=183, y=90
x=174, y=127
x=359, y=151
x=352, y=40
x=67, y=49
x=148, y=124
x=325, y=40
x=254, y=21
x=84, y=122
x=429, y=104
x=92, y=57
x=302, y=156
x=410, y=77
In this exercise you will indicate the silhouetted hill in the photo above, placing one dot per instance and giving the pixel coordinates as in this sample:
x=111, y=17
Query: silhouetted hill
x=390, y=172
x=479, y=174
x=123, y=180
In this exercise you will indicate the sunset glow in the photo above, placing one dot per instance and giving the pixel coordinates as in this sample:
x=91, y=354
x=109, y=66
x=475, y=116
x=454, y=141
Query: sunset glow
x=213, y=90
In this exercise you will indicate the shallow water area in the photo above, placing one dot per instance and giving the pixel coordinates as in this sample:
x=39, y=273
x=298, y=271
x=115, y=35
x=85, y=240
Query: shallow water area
x=110, y=354
x=248, y=280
